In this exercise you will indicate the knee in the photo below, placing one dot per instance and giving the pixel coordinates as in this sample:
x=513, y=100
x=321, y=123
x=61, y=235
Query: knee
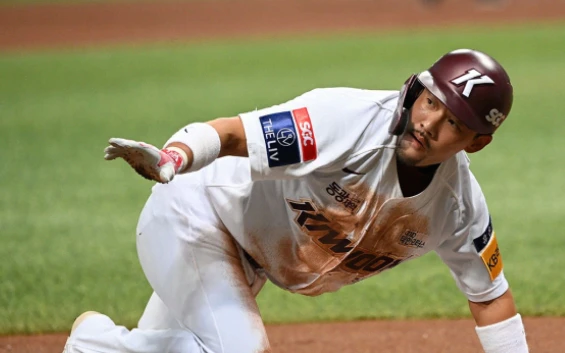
x=81, y=318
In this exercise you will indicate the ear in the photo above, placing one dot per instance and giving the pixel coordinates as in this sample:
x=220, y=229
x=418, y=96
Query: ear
x=478, y=143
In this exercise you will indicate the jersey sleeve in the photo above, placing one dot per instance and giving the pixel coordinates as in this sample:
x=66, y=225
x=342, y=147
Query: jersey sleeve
x=472, y=253
x=314, y=131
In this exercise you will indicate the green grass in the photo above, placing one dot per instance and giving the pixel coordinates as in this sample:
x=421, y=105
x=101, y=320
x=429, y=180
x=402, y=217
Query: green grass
x=67, y=217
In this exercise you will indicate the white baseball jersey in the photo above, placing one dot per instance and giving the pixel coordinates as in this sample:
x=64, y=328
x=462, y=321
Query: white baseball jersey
x=318, y=204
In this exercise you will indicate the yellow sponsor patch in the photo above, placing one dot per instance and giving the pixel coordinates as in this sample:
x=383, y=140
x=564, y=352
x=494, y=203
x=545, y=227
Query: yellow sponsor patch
x=491, y=257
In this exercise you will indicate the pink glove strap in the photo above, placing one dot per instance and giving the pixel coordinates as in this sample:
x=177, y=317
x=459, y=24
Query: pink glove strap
x=177, y=155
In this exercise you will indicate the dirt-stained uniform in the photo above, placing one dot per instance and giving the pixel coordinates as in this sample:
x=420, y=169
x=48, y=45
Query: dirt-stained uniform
x=317, y=205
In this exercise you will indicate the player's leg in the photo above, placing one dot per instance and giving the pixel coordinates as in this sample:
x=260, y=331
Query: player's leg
x=197, y=271
x=96, y=333
x=157, y=316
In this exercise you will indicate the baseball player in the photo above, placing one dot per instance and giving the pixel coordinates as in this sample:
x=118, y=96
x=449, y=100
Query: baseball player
x=325, y=190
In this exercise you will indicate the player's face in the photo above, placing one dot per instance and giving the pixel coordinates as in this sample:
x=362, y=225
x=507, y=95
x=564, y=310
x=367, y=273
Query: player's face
x=434, y=134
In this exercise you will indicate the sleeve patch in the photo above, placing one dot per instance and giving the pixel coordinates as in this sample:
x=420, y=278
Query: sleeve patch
x=482, y=241
x=491, y=257
x=487, y=247
x=307, y=138
x=283, y=144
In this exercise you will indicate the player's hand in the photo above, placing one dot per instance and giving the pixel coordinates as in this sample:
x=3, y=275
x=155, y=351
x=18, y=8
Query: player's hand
x=147, y=160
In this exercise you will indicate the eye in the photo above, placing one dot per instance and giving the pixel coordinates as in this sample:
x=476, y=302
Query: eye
x=430, y=102
x=453, y=123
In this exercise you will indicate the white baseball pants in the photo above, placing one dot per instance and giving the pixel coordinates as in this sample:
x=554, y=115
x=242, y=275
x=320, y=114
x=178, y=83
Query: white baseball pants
x=204, y=299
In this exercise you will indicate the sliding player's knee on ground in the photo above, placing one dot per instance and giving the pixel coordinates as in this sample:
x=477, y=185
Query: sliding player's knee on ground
x=82, y=317
x=97, y=333
x=87, y=333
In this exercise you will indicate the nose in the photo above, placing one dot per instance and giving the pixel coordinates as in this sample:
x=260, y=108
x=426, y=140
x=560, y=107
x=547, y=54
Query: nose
x=430, y=126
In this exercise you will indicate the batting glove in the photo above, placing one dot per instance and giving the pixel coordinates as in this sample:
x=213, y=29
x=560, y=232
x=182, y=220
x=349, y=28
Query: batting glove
x=147, y=160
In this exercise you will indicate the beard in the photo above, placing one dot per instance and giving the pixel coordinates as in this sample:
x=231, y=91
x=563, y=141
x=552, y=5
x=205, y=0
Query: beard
x=412, y=147
x=405, y=158
x=404, y=151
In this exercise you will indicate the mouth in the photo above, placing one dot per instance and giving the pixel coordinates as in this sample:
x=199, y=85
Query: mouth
x=418, y=139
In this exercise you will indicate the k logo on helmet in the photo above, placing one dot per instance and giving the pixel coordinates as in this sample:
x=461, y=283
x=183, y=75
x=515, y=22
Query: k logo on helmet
x=472, y=78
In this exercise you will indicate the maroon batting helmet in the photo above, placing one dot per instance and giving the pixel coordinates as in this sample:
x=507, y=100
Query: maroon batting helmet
x=471, y=84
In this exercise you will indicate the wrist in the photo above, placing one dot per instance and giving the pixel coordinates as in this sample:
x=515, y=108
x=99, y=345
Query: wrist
x=507, y=336
x=202, y=140
x=179, y=157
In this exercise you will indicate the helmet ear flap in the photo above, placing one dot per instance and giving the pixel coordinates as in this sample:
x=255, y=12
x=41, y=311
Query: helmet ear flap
x=408, y=94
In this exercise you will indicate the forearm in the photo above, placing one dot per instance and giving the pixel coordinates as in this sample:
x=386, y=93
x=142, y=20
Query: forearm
x=231, y=135
x=491, y=312
x=499, y=327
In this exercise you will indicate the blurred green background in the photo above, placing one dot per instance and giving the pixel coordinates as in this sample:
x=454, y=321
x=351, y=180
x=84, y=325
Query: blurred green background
x=67, y=217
